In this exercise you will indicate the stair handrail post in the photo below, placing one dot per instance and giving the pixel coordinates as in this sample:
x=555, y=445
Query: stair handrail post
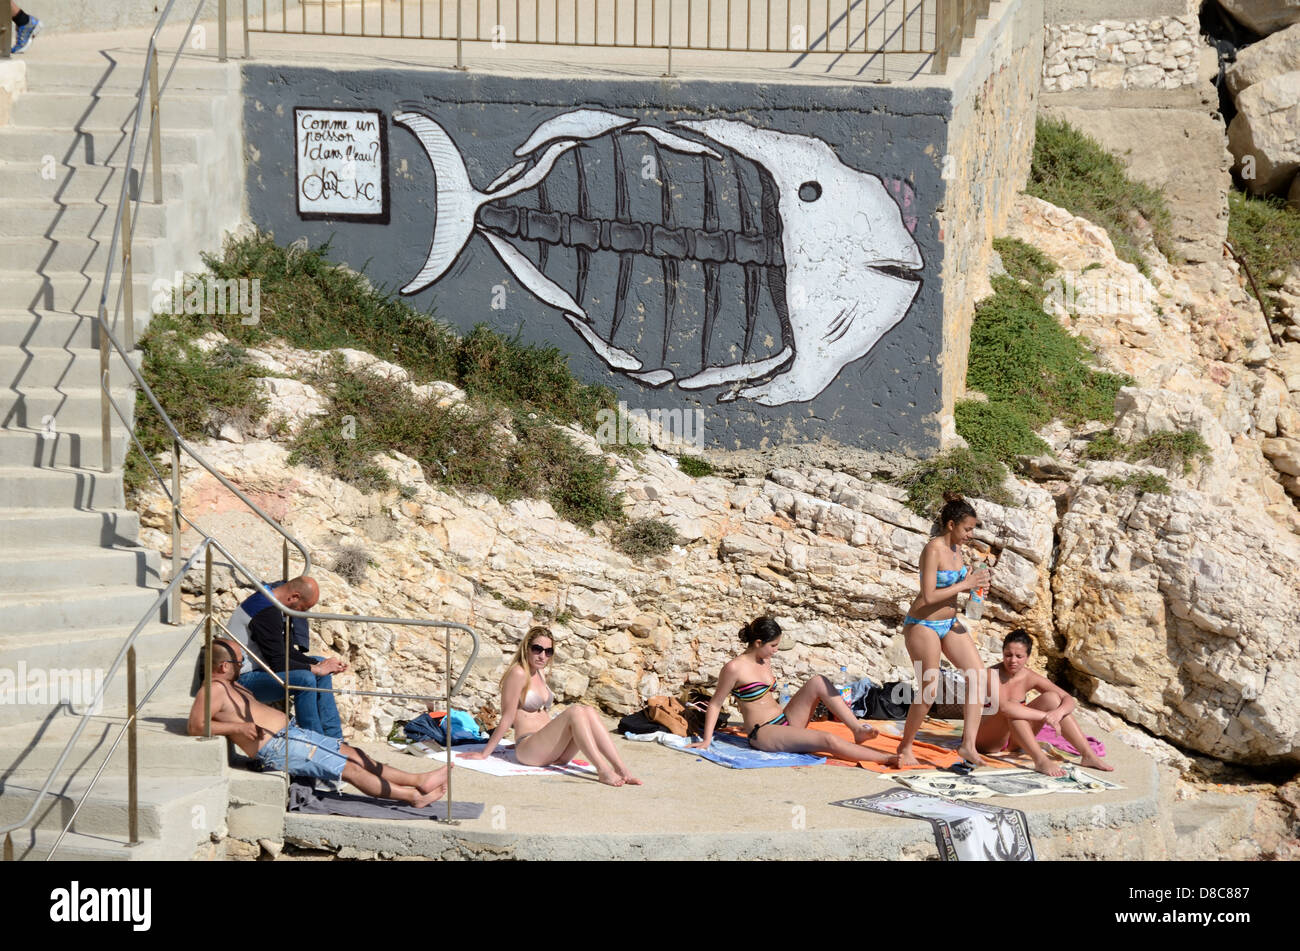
x=175, y=612
x=132, y=754
x=128, y=297
x=221, y=31
x=447, y=723
x=207, y=639
x=460, y=58
x=155, y=123
x=669, y=74
x=105, y=421
x=9, y=836
x=247, y=54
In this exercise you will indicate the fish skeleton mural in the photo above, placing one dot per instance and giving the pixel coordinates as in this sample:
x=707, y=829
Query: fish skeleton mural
x=827, y=241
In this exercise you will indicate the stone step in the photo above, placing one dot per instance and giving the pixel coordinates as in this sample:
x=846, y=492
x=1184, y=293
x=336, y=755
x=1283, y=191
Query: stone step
x=68, y=181
x=98, y=146
x=42, y=529
x=72, y=291
x=115, y=110
x=125, y=76
x=86, y=489
x=34, y=846
x=42, y=570
x=71, y=408
x=36, y=328
x=61, y=449
x=166, y=805
x=47, y=217
x=78, y=253
x=93, y=645
x=24, y=367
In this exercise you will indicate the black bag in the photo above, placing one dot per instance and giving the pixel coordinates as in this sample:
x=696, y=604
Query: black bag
x=888, y=701
x=638, y=722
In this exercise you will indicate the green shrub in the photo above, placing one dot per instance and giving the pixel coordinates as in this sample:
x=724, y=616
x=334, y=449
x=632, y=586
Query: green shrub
x=972, y=474
x=1266, y=233
x=1140, y=482
x=1074, y=171
x=461, y=445
x=646, y=537
x=1165, y=449
x=694, y=466
x=997, y=430
x=1022, y=358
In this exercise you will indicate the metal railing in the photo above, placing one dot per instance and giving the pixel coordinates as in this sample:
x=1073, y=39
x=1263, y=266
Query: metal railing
x=123, y=235
x=126, y=654
x=839, y=27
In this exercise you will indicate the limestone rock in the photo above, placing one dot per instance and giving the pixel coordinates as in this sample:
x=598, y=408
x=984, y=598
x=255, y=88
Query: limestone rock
x=1272, y=56
x=1187, y=633
x=1267, y=130
x=1263, y=16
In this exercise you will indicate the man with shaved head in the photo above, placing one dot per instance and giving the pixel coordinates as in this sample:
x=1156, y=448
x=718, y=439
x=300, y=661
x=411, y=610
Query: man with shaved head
x=266, y=735
x=259, y=624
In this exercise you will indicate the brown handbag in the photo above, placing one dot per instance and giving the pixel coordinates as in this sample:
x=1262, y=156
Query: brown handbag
x=668, y=712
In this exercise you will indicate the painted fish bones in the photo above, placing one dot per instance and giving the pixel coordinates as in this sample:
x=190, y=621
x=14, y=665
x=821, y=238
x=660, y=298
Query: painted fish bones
x=827, y=242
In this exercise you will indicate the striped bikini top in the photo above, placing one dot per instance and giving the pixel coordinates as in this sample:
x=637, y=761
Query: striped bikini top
x=748, y=693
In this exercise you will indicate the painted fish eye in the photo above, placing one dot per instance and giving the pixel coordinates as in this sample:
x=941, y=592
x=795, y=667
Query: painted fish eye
x=810, y=191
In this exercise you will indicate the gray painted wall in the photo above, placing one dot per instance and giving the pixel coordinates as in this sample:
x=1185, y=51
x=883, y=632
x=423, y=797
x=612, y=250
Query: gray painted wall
x=889, y=398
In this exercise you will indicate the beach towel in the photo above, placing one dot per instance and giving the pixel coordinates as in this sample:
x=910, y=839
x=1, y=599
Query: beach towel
x=502, y=762
x=1051, y=737
x=728, y=750
x=930, y=755
x=304, y=797
x=984, y=784
x=963, y=831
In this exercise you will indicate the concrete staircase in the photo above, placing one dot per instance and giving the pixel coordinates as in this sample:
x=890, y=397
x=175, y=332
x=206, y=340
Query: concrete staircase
x=73, y=580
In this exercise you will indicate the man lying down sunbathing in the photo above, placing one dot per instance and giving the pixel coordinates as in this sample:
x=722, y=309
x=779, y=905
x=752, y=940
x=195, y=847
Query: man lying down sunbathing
x=263, y=733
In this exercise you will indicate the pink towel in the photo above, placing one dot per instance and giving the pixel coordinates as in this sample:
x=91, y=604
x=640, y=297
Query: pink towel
x=1049, y=736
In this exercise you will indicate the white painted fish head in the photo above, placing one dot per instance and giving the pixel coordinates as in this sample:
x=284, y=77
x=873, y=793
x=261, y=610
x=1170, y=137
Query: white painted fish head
x=846, y=252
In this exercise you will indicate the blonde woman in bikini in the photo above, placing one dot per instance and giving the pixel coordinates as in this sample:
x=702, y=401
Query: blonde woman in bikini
x=541, y=740
x=750, y=681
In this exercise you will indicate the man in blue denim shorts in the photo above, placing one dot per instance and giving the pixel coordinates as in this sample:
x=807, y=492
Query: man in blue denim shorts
x=266, y=735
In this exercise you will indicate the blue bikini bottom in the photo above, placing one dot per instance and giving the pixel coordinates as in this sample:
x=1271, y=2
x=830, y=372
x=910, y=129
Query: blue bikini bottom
x=939, y=627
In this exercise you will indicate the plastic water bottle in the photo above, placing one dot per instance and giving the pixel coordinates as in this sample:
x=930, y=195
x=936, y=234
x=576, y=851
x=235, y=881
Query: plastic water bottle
x=975, y=606
x=845, y=690
x=785, y=694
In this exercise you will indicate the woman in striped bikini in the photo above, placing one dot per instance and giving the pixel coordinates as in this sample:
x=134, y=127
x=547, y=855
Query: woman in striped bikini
x=749, y=680
x=929, y=633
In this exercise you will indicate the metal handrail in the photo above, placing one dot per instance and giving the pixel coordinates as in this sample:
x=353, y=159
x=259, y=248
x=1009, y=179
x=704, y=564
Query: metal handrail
x=205, y=547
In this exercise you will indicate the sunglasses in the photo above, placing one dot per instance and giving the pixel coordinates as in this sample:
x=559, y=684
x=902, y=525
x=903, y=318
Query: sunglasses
x=539, y=649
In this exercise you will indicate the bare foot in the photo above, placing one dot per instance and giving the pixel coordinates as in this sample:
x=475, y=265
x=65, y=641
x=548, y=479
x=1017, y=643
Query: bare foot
x=1092, y=762
x=609, y=779
x=632, y=780
x=431, y=796
x=436, y=778
x=864, y=731
x=907, y=758
x=970, y=755
x=1047, y=767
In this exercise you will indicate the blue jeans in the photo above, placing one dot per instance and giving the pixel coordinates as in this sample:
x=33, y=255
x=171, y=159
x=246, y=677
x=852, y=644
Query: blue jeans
x=314, y=711
x=300, y=752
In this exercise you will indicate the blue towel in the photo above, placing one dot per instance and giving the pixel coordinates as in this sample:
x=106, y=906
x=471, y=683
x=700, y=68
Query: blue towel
x=735, y=752
x=464, y=729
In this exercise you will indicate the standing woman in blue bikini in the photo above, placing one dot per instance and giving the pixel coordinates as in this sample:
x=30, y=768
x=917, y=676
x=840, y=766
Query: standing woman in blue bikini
x=929, y=629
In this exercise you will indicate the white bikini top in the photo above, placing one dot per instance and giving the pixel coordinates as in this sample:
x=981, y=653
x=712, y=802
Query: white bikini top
x=533, y=701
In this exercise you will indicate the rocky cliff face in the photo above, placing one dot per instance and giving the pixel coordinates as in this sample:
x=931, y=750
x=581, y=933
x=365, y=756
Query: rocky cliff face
x=1175, y=612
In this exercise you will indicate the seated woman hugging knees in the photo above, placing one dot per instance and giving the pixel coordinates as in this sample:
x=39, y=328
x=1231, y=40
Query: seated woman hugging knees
x=541, y=740
x=749, y=680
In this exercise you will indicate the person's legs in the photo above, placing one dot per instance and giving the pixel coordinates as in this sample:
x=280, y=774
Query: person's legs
x=605, y=745
x=820, y=690
x=326, y=711
x=994, y=732
x=960, y=649
x=1022, y=735
x=1069, y=729
x=791, y=739
x=387, y=782
x=547, y=745
x=924, y=648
